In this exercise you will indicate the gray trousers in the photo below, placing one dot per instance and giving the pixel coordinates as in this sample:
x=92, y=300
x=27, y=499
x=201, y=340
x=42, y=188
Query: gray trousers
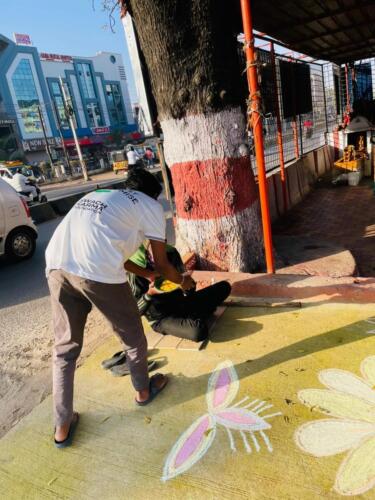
x=72, y=298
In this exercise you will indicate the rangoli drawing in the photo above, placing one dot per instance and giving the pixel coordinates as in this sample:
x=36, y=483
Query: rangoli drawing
x=350, y=401
x=223, y=386
x=371, y=321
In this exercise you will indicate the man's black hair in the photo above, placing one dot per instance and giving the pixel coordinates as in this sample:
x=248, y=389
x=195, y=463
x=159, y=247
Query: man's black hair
x=140, y=180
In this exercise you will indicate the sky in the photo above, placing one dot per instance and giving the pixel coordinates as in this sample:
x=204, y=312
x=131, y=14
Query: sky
x=71, y=27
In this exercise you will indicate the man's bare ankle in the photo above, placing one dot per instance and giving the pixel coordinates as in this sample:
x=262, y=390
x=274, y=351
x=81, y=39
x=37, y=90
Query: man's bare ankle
x=61, y=432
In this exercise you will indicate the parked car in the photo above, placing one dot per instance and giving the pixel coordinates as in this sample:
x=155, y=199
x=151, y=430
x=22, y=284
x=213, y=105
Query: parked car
x=18, y=233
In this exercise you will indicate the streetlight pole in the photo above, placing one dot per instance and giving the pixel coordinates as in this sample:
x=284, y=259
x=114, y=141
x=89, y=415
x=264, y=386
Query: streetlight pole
x=69, y=112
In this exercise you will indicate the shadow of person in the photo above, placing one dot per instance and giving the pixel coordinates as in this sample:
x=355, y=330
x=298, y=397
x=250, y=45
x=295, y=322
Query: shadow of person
x=234, y=326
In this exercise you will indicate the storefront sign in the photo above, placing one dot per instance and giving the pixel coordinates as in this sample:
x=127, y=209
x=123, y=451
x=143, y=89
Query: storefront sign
x=55, y=57
x=40, y=144
x=100, y=130
x=7, y=121
x=22, y=39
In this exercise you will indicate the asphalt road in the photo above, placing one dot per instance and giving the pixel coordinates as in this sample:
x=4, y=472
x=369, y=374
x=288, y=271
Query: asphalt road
x=24, y=302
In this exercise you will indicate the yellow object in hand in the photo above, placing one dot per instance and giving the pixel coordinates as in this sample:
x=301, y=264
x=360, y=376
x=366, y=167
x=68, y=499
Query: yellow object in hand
x=168, y=286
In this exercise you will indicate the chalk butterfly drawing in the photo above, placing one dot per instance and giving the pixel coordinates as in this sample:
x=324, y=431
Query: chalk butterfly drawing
x=350, y=402
x=223, y=386
x=371, y=321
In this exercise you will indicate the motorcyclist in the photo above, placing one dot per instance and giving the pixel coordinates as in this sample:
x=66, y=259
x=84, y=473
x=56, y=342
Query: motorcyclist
x=22, y=184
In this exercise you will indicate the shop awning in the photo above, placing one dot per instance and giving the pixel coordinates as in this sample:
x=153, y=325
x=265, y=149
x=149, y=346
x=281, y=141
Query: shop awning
x=333, y=30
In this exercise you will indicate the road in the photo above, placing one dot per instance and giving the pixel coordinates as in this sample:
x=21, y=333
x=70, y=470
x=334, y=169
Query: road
x=23, y=292
x=56, y=191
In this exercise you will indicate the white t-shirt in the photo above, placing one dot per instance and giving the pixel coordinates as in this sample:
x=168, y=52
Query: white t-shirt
x=19, y=183
x=102, y=231
x=132, y=156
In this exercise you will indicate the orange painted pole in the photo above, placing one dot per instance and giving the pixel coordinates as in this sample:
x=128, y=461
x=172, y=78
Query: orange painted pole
x=347, y=89
x=256, y=119
x=279, y=131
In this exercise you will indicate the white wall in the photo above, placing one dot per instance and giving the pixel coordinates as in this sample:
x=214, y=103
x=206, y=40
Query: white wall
x=137, y=72
x=55, y=69
x=114, y=71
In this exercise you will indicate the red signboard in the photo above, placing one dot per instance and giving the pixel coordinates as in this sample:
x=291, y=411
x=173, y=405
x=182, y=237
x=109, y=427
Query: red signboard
x=22, y=39
x=100, y=130
x=55, y=57
x=84, y=141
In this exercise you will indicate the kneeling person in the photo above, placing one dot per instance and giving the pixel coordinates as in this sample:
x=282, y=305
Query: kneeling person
x=167, y=308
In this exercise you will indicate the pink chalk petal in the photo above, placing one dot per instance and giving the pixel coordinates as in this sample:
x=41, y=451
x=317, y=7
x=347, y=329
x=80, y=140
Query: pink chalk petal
x=192, y=442
x=241, y=419
x=222, y=387
x=190, y=447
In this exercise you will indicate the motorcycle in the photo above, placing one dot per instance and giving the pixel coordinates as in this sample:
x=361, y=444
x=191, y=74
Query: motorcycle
x=31, y=197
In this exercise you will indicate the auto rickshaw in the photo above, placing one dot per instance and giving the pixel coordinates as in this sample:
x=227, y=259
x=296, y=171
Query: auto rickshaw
x=118, y=161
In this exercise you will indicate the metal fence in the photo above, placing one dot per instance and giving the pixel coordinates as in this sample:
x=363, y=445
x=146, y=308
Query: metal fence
x=306, y=103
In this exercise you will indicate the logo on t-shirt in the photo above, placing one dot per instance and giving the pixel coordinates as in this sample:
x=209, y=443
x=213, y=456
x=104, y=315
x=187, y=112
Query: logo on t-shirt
x=94, y=206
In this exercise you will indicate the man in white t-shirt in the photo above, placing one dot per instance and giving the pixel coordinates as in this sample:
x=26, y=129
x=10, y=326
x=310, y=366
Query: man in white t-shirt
x=20, y=183
x=132, y=156
x=86, y=262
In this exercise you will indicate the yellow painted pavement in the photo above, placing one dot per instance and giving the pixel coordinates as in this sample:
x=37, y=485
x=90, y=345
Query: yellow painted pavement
x=120, y=450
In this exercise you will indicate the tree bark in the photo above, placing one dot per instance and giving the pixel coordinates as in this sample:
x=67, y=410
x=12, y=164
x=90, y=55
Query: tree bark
x=190, y=48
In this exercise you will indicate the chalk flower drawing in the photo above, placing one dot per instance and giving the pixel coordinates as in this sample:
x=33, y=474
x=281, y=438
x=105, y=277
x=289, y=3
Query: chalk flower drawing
x=223, y=386
x=350, y=400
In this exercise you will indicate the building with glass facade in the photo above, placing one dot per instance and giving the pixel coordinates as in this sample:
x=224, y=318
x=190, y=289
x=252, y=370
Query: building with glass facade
x=31, y=96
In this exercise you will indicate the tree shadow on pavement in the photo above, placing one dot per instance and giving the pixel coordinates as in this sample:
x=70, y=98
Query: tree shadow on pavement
x=183, y=388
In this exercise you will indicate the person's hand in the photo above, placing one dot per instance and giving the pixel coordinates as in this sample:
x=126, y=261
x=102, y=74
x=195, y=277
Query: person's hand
x=152, y=276
x=188, y=282
x=152, y=290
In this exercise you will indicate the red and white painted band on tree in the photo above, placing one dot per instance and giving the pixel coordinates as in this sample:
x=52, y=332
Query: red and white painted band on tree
x=215, y=192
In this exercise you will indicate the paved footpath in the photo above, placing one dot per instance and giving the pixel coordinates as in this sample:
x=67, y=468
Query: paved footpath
x=304, y=378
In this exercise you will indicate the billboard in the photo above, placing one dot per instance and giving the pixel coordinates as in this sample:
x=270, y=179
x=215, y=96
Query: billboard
x=55, y=57
x=22, y=39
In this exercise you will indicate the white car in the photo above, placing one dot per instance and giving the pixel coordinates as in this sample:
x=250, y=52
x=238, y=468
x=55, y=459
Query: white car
x=18, y=233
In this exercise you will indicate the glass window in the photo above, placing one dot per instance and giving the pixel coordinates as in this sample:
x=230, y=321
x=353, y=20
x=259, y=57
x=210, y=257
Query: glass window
x=57, y=97
x=27, y=96
x=115, y=107
x=85, y=77
x=94, y=116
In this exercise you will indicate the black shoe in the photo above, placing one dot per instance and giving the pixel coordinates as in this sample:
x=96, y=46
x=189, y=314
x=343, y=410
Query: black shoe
x=123, y=369
x=118, y=358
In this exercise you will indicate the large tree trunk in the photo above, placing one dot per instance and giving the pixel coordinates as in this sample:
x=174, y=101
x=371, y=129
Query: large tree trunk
x=190, y=49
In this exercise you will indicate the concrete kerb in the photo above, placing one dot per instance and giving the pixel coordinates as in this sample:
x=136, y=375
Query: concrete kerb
x=306, y=289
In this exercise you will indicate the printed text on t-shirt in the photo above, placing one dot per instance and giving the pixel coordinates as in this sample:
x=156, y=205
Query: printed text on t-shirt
x=92, y=205
x=130, y=196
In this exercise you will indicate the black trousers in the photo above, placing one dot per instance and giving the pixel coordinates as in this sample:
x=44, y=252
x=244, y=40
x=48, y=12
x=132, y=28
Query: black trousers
x=186, y=316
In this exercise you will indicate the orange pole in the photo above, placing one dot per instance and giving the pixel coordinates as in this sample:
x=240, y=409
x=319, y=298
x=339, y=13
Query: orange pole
x=295, y=137
x=279, y=131
x=257, y=126
x=347, y=89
